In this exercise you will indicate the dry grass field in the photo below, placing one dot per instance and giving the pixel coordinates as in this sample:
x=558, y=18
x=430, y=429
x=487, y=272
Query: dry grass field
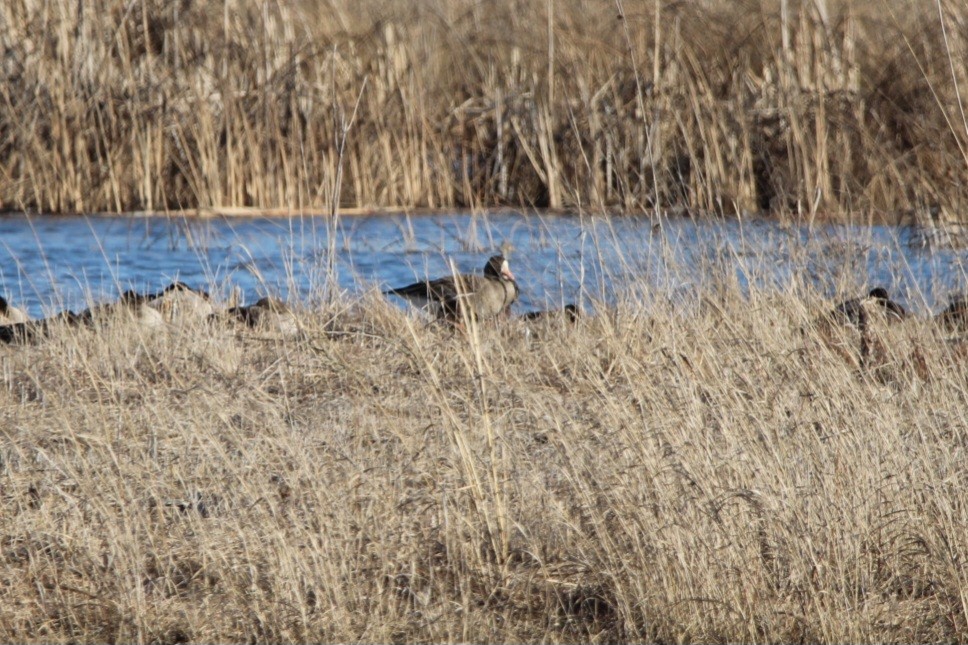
x=718, y=470
x=722, y=473
x=818, y=108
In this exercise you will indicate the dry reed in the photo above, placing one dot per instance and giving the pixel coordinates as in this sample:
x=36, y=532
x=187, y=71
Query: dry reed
x=647, y=474
x=826, y=108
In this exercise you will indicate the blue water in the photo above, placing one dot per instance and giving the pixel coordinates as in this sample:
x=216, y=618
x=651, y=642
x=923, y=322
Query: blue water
x=49, y=263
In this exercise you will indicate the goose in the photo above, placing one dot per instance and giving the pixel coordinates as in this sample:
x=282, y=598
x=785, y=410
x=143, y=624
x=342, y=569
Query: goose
x=955, y=316
x=570, y=312
x=269, y=314
x=131, y=304
x=32, y=330
x=849, y=311
x=10, y=315
x=178, y=303
x=455, y=296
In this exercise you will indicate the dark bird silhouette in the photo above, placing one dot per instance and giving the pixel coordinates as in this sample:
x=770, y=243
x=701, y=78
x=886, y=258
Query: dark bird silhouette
x=268, y=313
x=569, y=312
x=849, y=311
x=34, y=329
x=147, y=309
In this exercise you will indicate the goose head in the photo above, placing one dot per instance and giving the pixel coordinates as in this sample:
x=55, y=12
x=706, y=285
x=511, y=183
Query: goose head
x=497, y=267
x=880, y=296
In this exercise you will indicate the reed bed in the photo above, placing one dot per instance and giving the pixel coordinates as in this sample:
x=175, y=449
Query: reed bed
x=724, y=472
x=824, y=108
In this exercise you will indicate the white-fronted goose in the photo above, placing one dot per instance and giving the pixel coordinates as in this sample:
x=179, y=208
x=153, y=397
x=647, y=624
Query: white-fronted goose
x=10, y=315
x=131, y=304
x=269, y=314
x=476, y=296
x=849, y=311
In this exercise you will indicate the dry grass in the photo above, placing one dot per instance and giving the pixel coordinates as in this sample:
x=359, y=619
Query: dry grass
x=647, y=474
x=820, y=108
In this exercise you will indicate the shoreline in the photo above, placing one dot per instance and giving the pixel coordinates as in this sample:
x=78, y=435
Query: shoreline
x=899, y=219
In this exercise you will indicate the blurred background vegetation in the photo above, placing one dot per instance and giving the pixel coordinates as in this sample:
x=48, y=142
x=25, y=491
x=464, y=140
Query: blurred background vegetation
x=827, y=108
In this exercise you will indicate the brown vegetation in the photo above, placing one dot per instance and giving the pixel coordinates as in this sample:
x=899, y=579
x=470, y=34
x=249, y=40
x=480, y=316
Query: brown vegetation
x=822, y=108
x=639, y=475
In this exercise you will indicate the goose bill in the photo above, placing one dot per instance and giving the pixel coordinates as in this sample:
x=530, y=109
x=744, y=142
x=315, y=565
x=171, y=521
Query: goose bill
x=506, y=271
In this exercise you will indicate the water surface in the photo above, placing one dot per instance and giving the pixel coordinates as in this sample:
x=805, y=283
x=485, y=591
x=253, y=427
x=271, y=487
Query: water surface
x=48, y=263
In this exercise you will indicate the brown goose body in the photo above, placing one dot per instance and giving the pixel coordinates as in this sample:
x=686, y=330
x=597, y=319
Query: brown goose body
x=179, y=303
x=476, y=296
